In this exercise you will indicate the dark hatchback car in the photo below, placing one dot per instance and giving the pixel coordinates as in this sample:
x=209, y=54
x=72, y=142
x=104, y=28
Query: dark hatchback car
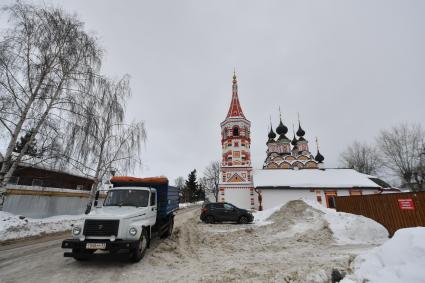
x=225, y=212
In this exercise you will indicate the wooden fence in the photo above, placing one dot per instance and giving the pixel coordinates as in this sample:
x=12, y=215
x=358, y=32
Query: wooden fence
x=393, y=211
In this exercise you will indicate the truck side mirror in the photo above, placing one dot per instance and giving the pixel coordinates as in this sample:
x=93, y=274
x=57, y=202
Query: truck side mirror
x=96, y=198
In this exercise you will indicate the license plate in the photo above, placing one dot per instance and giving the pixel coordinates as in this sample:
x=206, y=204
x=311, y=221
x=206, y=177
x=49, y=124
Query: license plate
x=96, y=246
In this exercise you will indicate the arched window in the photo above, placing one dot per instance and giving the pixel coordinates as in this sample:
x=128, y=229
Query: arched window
x=235, y=131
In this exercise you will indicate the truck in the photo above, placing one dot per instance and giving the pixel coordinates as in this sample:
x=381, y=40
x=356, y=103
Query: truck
x=134, y=211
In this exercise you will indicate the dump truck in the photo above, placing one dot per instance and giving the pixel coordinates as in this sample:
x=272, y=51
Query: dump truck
x=134, y=211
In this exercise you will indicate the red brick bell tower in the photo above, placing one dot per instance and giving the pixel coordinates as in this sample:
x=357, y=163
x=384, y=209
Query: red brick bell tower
x=236, y=185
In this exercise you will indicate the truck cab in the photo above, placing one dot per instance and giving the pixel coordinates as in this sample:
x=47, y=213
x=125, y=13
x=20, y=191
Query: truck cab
x=134, y=210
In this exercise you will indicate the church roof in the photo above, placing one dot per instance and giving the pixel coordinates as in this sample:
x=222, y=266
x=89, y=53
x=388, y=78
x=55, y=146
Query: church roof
x=313, y=178
x=235, y=109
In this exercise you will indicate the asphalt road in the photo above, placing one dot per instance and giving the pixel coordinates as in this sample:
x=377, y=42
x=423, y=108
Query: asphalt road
x=42, y=260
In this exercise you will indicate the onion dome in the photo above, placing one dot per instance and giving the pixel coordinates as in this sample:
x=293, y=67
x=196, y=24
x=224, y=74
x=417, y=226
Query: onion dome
x=281, y=129
x=272, y=135
x=319, y=157
x=294, y=141
x=300, y=131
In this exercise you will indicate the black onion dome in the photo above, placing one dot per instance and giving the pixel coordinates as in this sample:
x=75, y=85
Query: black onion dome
x=300, y=131
x=319, y=157
x=294, y=141
x=281, y=129
x=272, y=135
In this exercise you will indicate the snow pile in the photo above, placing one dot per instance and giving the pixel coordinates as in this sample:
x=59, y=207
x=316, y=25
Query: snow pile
x=16, y=227
x=400, y=259
x=346, y=228
x=349, y=228
x=189, y=204
x=261, y=217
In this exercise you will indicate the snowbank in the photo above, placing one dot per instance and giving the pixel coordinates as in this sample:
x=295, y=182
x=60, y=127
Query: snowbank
x=262, y=217
x=346, y=228
x=13, y=227
x=400, y=259
x=349, y=228
x=189, y=204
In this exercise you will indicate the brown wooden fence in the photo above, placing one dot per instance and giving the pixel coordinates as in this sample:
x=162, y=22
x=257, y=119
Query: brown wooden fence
x=393, y=211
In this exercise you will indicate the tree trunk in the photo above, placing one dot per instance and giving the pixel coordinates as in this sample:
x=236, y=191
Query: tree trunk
x=7, y=160
x=14, y=163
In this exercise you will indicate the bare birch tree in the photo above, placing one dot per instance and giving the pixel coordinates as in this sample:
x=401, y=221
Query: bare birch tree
x=362, y=157
x=109, y=143
x=45, y=59
x=211, y=178
x=179, y=183
x=402, y=148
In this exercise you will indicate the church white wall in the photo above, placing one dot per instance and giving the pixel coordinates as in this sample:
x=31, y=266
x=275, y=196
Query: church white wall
x=276, y=197
x=239, y=197
x=273, y=198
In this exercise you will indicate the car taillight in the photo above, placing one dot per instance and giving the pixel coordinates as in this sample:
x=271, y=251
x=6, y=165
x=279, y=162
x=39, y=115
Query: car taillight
x=204, y=210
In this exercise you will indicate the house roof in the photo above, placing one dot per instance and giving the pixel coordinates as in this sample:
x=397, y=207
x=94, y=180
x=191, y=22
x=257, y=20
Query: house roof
x=313, y=178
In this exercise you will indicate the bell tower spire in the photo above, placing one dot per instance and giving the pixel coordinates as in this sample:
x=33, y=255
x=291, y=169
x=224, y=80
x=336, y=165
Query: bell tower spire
x=235, y=109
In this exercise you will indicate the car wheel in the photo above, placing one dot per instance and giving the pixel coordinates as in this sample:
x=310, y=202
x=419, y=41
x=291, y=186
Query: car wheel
x=243, y=220
x=210, y=219
x=139, y=252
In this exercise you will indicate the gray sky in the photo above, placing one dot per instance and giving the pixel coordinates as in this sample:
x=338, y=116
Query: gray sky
x=350, y=68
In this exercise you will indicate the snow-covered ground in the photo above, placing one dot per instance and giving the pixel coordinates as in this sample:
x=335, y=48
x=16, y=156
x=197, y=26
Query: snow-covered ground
x=298, y=242
x=293, y=243
x=15, y=227
x=401, y=259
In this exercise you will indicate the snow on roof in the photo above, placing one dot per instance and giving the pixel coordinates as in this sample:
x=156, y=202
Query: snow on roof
x=313, y=178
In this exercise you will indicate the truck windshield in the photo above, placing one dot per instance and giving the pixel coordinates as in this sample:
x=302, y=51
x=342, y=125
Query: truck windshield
x=138, y=198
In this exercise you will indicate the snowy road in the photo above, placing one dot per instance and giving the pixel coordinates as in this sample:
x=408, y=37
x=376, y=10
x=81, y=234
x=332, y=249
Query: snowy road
x=42, y=261
x=297, y=246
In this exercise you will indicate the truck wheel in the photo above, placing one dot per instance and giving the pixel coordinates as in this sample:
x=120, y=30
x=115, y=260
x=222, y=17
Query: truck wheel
x=139, y=252
x=170, y=229
x=243, y=220
x=210, y=219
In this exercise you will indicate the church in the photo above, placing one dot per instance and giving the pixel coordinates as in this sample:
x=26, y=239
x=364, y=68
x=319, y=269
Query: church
x=290, y=171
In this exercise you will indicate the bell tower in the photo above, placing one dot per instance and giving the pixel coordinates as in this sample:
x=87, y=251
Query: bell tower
x=236, y=185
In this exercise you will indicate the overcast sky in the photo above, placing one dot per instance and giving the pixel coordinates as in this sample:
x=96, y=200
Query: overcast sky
x=350, y=68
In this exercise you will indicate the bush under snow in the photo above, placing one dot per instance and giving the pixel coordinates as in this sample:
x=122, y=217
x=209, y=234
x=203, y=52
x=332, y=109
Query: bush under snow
x=400, y=259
